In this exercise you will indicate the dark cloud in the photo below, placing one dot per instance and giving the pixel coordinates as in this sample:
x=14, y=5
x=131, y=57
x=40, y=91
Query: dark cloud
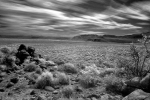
x=129, y=2
x=94, y=6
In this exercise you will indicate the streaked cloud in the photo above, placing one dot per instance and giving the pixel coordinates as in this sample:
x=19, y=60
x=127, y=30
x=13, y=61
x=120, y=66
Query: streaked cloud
x=75, y=16
x=133, y=13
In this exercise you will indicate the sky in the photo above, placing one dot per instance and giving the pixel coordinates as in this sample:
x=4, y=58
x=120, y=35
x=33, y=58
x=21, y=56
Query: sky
x=74, y=17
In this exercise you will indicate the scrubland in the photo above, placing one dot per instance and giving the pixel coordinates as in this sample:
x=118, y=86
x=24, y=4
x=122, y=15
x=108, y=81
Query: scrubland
x=70, y=70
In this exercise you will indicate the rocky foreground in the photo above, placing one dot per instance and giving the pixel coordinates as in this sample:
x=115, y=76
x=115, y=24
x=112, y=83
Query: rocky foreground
x=26, y=75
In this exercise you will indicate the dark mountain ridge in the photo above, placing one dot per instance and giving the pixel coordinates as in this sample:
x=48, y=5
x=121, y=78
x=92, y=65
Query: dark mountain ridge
x=110, y=38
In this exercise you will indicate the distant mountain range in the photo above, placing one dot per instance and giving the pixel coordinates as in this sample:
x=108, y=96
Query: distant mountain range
x=33, y=37
x=86, y=37
x=109, y=38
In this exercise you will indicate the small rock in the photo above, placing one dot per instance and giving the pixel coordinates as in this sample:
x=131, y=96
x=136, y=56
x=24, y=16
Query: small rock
x=80, y=99
x=49, y=88
x=42, y=66
x=55, y=68
x=50, y=63
x=42, y=61
x=1, y=79
x=2, y=90
x=93, y=98
x=33, y=98
x=10, y=85
x=55, y=92
x=32, y=92
x=3, y=74
x=78, y=89
x=87, y=99
x=3, y=67
x=41, y=98
x=14, y=80
x=56, y=87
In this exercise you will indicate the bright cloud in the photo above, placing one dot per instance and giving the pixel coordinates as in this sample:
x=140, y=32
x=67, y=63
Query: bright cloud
x=131, y=12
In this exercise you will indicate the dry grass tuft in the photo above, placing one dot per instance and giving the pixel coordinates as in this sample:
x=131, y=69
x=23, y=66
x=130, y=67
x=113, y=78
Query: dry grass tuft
x=88, y=81
x=45, y=79
x=61, y=78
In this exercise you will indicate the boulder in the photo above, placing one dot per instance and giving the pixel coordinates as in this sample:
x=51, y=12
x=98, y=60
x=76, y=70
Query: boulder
x=145, y=82
x=109, y=97
x=126, y=90
x=138, y=95
x=134, y=82
x=31, y=51
x=22, y=47
x=22, y=55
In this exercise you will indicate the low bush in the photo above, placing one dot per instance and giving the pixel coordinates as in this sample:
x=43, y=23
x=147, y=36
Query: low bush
x=5, y=50
x=30, y=67
x=113, y=84
x=88, y=81
x=67, y=92
x=69, y=68
x=108, y=71
x=9, y=60
x=61, y=78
